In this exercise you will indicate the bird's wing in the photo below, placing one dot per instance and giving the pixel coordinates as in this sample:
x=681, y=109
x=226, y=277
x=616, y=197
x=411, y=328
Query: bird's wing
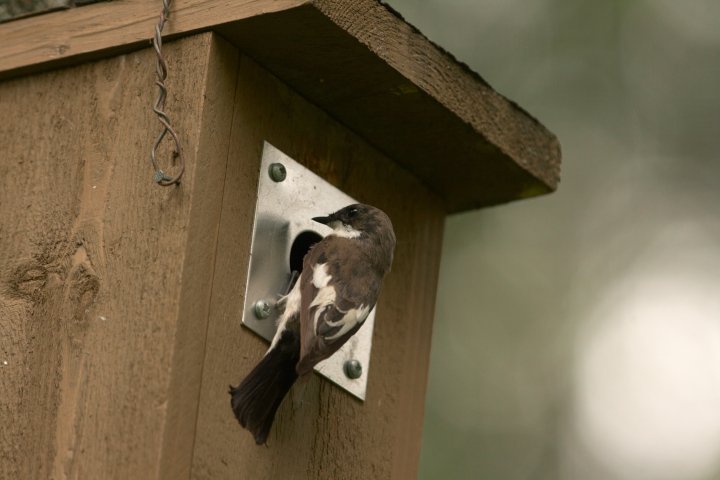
x=333, y=314
x=335, y=302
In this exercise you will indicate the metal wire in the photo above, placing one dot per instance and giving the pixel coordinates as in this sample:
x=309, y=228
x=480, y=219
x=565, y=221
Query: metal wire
x=161, y=177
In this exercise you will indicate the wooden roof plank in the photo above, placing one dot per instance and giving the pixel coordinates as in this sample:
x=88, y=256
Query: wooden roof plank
x=363, y=64
x=64, y=37
x=356, y=59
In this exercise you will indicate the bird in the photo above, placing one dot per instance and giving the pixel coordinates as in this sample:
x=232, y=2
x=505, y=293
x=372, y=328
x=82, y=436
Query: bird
x=338, y=286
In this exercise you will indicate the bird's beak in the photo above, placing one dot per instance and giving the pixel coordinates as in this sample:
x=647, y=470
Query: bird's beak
x=323, y=220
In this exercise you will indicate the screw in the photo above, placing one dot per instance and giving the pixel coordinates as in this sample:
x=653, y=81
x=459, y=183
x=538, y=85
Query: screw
x=353, y=369
x=262, y=309
x=277, y=171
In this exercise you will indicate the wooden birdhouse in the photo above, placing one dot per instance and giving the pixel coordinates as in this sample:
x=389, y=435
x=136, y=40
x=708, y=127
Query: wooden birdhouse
x=122, y=300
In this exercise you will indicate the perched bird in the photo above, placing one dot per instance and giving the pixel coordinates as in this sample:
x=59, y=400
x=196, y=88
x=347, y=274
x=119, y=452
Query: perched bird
x=340, y=282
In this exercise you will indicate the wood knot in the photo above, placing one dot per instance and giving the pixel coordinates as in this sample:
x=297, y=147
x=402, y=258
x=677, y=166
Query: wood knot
x=27, y=279
x=82, y=288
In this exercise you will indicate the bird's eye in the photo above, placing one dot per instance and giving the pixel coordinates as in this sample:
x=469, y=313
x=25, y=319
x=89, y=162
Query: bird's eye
x=352, y=212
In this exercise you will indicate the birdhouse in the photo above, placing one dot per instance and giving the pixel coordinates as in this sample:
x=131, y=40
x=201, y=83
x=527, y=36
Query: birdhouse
x=124, y=289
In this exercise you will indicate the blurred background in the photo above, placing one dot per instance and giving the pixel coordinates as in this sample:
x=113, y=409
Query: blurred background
x=577, y=336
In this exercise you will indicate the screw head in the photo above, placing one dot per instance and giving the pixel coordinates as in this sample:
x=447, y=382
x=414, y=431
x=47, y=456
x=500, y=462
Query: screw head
x=352, y=369
x=262, y=309
x=277, y=171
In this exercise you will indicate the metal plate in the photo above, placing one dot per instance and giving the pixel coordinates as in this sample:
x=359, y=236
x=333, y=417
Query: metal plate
x=284, y=211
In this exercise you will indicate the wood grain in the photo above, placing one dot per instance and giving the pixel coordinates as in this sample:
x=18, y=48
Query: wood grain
x=321, y=431
x=211, y=155
x=60, y=37
x=357, y=60
x=105, y=276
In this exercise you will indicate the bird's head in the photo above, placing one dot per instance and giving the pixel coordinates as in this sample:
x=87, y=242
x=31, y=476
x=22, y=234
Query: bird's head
x=358, y=220
x=368, y=224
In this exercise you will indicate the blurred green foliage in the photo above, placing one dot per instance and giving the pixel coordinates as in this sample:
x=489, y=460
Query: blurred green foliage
x=528, y=292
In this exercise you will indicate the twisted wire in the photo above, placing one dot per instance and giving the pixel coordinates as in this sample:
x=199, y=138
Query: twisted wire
x=161, y=177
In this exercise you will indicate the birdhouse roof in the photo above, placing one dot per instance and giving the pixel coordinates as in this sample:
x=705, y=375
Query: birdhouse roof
x=358, y=60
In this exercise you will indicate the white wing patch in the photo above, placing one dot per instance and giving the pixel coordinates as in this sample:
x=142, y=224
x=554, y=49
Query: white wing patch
x=326, y=293
x=321, y=277
x=351, y=318
x=326, y=298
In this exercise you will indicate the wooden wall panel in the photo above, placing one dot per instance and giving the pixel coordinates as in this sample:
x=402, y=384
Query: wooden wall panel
x=321, y=432
x=104, y=276
x=109, y=283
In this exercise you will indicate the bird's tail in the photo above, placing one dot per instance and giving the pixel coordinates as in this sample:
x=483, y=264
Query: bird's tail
x=258, y=397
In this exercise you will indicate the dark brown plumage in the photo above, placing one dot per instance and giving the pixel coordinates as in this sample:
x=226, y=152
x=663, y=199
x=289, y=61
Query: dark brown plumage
x=339, y=285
